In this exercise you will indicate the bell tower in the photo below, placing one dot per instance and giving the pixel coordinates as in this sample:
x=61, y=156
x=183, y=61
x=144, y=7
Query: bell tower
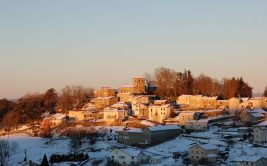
x=139, y=84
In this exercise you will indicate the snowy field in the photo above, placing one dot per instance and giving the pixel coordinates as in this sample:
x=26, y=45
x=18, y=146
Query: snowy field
x=36, y=147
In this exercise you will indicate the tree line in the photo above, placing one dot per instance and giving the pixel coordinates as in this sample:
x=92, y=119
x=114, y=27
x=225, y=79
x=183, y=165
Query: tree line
x=29, y=108
x=171, y=84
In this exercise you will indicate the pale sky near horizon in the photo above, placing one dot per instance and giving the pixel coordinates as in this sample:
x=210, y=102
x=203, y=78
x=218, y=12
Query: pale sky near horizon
x=46, y=44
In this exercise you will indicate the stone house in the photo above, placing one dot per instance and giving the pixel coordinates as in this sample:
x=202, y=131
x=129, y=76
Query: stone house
x=197, y=125
x=252, y=116
x=198, y=101
x=185, y=116
x=160, y=111
x=54, y=120
x=103, y=102
x=83, y=115
x=126, y=92
x=140, y=105
x=115, y=112
x=207, y=152
x=105, y=92
x=253, y=103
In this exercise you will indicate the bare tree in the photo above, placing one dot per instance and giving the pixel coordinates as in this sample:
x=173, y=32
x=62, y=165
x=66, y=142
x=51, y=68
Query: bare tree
x=265, y=92
x=74, y=97
x=165, y=80
x=205, y=85
x=4, y=152
x=148, y=79
x=11, y=120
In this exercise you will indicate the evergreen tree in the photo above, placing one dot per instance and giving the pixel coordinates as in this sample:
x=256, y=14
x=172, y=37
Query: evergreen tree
x=50, y=100
x=44, y=161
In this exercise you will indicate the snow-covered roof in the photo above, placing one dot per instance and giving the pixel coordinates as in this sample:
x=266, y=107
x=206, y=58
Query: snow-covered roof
x=257, y=115
x=198, y=121
x=148, y=123
x=132, y=151
x=185, y=95
x=59, y=116
x=45, y=114
x=110, y=109
x=187, y=113
x=258, y=110
x=139, y=77
x=159, y=106
x=222, y=100
x=126, y=86
x=244, y=99
x=154, y=155
x=257, y=98
x=210, y=98
x=206, y=146
x=160, y=102
x=101, y=98
x=264, y=123
x=212, y=155
x=167, y=127
x=247, y=158
x=120, y=105
x=134, y=130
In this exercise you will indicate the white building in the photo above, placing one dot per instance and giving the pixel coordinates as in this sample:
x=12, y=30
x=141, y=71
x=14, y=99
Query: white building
x=260, y=135
x=185, y=116
x=140, y=104
x=203, y=151
x=127, y=156
x=116, y=112
x=54, y=120
x=160, y=111
x=234, y=103
x=81, y=115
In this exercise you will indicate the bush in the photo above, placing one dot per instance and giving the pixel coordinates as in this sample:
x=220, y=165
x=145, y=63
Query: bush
x=58, y=158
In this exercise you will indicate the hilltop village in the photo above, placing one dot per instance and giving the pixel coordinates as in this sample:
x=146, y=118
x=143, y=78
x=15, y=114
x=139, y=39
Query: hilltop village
x=130, y=126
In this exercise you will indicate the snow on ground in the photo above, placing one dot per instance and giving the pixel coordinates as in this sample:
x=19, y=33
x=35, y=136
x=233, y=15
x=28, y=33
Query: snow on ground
x=35, y=147
x=241, y=149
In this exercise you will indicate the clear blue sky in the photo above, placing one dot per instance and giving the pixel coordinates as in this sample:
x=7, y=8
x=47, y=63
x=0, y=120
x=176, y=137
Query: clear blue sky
x=50, y=43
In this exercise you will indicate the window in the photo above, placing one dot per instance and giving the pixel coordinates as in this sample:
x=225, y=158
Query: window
x=121, y=157
x=132, y=158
